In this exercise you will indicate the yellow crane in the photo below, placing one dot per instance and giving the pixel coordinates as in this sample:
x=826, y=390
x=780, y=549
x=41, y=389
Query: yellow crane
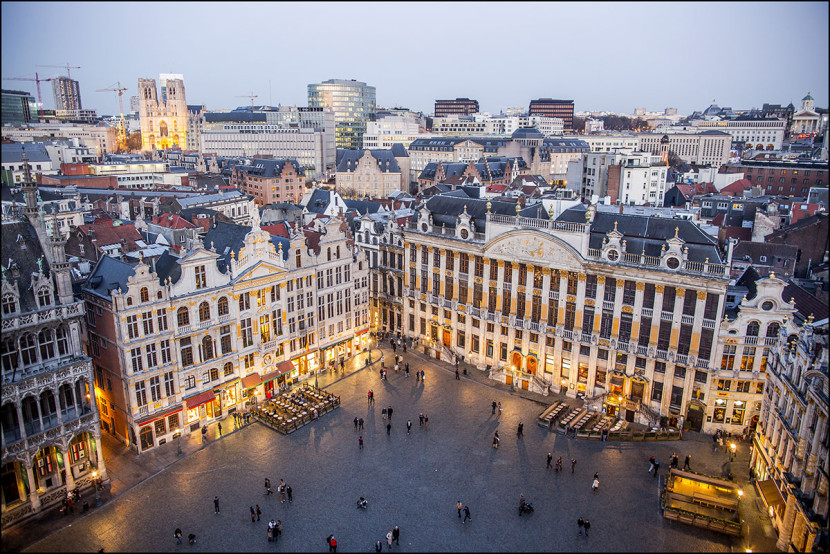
x=122, y=132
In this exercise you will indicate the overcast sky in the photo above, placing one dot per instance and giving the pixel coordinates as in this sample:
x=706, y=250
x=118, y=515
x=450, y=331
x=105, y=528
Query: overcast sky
x=605, y=56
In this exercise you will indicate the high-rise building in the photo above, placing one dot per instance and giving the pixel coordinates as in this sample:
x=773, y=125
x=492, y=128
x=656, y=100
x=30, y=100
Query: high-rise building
x=18, y=108
x=563, y=109
x=163, y=120
x=354, y=104
x=459, y=106
x=67, y=93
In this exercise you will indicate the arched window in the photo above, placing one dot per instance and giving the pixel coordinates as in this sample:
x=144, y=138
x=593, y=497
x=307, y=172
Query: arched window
x=162, y=129
x=11, y=426
x=299, y=258
x=204, y=311
x=129, y=301
x=62, y=340
x=183, y=317
x=158, y=295
x=31, y=419
x=772, y=329
x=207, y=348
x=44, y=297
x=337, y=254
x=9, y=304
x=48, y=408
x=753, y=328
x=28, y=349
x=228, y=368
x=47, y=345
x=145, y=295
x=11, y=360
x=222, y=306
x=66, y=399
x=328, y=254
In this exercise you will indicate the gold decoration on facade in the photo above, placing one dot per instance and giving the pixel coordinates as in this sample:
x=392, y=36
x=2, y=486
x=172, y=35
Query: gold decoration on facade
x=701, y=295
x=628, y=309
x=659, y=288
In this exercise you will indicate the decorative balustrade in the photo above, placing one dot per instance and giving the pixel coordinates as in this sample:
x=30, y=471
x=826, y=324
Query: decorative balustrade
x=46, y=315
x=708, y=323
x=606, y=305
x=666, y=316
x=647, y=312
x=533, y=223
x=687, y=319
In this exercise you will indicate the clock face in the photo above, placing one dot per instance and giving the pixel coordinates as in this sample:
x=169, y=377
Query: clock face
x=464, y=233
x=673, y=263
x=613, y=255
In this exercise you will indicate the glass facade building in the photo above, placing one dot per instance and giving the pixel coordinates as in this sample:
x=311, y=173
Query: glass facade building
x=18, y=108
x=353, y=103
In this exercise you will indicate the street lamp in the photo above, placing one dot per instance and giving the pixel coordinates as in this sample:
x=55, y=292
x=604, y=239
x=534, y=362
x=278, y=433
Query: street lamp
x=179, y=442
x=97, y=491
x=732, y=447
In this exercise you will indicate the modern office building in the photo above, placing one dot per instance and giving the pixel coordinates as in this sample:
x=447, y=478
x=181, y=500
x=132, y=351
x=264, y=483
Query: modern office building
x=18, y=108
x=353, y=103
x=459, y=106
x=563, y=109
x=67, y=93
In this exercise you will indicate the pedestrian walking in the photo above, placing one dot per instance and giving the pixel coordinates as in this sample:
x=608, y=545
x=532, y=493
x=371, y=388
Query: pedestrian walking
x=396, y=535
x=389, y=539
x=421, y=419
x=651, y=464
x=355, y=423
x=581, y=523
x=389, y=412
x=268, y=486
x=388, y=429
x=457, y=375
x=369, y=398
x=459, y=506
x=422, y=376
x=466, y=515
x=342, y=368
x=360, y=442
x=559, y=464
x=270, y=531
x=332, y=544
x=686, y=462
x=595, y=485
x=372, y=396
x=496, y=440
x=426, y=422
x=178, y=535
x=674, y=461
x=500, y=409
x=406, y=366
x=408, y=426
x=253, y=515
x=204, y=434
x=550, y=458
x=219, y=426
x=258, y=512
x=281, y=490
x=417, y=376
x=378, y=546
x=288, y=491
x=494, y=407
x=279, y=529
x=520, y=430
x=656, y=467
x=587, y=526
x=191, y=538
x=360, y=424
x=216, y=504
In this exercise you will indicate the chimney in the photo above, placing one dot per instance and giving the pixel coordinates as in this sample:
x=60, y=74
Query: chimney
x=729, y=249
x=621, y=207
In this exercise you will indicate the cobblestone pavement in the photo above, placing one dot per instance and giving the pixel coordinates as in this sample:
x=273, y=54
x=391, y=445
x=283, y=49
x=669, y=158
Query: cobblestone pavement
x=412, y=481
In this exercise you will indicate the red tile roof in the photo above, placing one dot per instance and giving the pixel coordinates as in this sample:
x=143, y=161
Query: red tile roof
x=172, y=221
x=737, y=188
x=106, y=234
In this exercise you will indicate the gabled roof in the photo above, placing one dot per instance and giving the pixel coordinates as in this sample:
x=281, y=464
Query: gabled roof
x=112, y=232
x=109, y=274
x=347, y=160
x=737, y=188
x=172, y=221
x=13, y=152
x=270, y=168
x=362, y=206
x=227, y=237
x=21, y=248
x=805, y=303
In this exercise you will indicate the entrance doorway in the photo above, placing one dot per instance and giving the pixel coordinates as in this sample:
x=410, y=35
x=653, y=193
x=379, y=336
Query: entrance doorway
x=531, y=365
x=517, y=361
x=447, y=338
x=637, y=391
x=629, y=416
x=694, y=415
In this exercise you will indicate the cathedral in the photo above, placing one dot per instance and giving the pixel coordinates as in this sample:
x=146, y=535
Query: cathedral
x=163, y=118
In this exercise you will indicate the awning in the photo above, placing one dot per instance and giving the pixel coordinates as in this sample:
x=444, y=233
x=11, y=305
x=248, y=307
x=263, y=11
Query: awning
x=338, y=343
x=150, y=419
x=771, y=495
x=250, y=381
x=366, y=330
x=616, y=380
x=200, y=399
x=282, y=367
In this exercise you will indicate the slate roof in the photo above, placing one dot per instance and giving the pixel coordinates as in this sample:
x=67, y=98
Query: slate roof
x=362, y=206
x=446, y=208
x=110, y=273
x=234, y=117
x=268, y=168
x=347, y=160
x=805, y=303
x=227, y=237
x=21, y=248
x=13, y=153
x=754, y=250
x=205, y=199
x=319, y=201
x=647, y=233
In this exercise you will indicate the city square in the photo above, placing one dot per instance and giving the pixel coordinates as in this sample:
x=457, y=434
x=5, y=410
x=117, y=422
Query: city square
x=410, y=481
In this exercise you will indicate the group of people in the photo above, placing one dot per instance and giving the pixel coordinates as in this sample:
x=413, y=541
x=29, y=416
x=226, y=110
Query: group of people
x=284, y=489
x=654, y=465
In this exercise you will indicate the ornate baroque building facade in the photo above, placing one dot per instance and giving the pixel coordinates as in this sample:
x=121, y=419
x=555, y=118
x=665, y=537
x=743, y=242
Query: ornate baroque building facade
x=50, y=429
x=164, y=121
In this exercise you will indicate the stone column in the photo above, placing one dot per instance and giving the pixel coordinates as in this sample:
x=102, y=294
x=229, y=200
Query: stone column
x=656, y=318
x=34, y=497
x=785, y=530
x=677, y=317
x=20, y=424
x=102, y=469
x=67, y=466
x=697, y=326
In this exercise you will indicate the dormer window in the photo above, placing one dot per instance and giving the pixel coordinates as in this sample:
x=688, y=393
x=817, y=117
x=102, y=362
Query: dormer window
x=9, y=304
x=44, y=297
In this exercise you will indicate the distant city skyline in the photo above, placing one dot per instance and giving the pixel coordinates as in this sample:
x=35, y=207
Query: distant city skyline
x=605, y=56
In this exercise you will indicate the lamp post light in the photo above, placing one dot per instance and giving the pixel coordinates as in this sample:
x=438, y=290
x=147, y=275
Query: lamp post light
x=179, y=442
x=732, y=448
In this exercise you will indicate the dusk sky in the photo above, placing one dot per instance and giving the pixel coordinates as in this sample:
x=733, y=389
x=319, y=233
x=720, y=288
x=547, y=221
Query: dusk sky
x=604, y=56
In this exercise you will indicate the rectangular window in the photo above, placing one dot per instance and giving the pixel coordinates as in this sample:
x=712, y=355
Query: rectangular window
x=168, y=384
x=201, y=277
x=161, y=317
x=132, y=326
x=247, y=332
x=135, y=354
x=591, y=286
x=626, y=321
x=728, y=359
x=147, y=320
x=629, y=292
x=588, y=320
x=657, y=391
x=605, y=324
x=155, y=388
x=185, y=352
x=570, y=315
x=610, y=289
x=150, y=351
x=648, y=296
x=140, y=394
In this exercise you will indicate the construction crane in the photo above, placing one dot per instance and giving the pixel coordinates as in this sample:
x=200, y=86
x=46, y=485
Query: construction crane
x=122, y=133
x=67, y=66
x=37, y=81
x=251, y=96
